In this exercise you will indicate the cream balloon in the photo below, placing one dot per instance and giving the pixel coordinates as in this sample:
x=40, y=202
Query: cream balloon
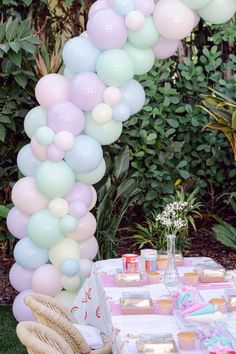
x=67, y=248
x=85, y=229
x=112, y=95
x=58, y=207
x=102, y=113
x=173, y=19
x=66, y=298
x=89, y=248
x=71, y=283
x=95, y=197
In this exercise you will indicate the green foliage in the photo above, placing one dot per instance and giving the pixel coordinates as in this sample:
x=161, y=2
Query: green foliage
x=115, y=197
x=166, y=140
x=153, y=233
x=225, y=233
x=223, y=111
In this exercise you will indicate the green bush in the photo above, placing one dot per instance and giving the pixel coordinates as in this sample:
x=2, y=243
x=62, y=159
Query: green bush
x=166, y=140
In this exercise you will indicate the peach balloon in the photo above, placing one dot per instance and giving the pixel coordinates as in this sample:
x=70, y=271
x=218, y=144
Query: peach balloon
x=40, y=151
x=26, y=196
x=52, y=88
x=47, y=280
x=165, y=48
x=89, y=248
x=173, y=19
x=85, y=229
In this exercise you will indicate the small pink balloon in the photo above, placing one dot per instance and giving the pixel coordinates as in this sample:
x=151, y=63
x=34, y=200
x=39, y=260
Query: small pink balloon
x=20, y=278
x=86, y=228
x=64, y=140
x=26, y=196
x=54, y=154
x=80, y=191
x=107, y=30
x=89, y=248
x=145, y=6
x=165, y=48
x=98, y=6
x=66, y=116
x=47, y=280
x=17, y=223
x=112, y=95
x=52, y=88
x=20, y=311
x=173, y=19
x=134, y=20
x=86, y=90
x=40, y=151
x=78, y=209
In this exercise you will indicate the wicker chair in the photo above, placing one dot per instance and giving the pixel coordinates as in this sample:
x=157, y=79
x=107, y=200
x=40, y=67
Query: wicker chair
x=39, y=339
x=57, y=317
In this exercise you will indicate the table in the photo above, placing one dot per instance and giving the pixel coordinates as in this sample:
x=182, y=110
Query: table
x=98, y=305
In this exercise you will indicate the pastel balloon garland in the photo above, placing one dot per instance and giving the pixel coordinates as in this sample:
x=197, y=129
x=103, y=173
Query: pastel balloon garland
x=79, y=112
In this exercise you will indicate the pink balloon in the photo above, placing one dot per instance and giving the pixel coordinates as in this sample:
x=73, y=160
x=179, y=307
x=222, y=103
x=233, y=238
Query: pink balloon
x=26, y=196
x=17, y=222
x=54, y=154
x=66, y=116
x=107, y=30
x=112, y=95
x=20, y=311
x=47, y=280
x=40, y=151
x=20, y=278
x=86, y=228
x=86, y=90
x=135, y=20
x=197, y=18
x=98, y=6
x=145, y=6
x=165, y=48
x=64, y=140
x=80, y=191
x=52, y=88
x=78, y=209
x=89, y=248
x=173, y=19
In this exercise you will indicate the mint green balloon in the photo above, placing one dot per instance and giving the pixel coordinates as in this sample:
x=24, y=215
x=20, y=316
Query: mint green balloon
x=115, y=67
x=196, y=4
x=68, y=224
x=146, y=36
x=34, y=119
x=54, y=179
x=105, y=134
x=94, y=176
x=45, y=135
x=44, y=229
x=143, y=59
x=218, y=11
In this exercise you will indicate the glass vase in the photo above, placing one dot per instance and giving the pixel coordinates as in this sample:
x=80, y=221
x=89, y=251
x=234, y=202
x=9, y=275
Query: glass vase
x=171, y=275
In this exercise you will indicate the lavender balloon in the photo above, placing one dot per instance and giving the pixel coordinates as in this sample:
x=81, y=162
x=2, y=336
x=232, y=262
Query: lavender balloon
x=65, y=115
x=82, y=192
x=145, y=6
x=22, y=312
x=165, y=48
x=86, y=91
x=20, y=278
x=17, y=222
x=107, y=29
x=78, y=209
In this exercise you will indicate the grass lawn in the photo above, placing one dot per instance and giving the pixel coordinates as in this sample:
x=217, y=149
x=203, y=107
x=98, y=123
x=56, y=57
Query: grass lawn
x=9, y=343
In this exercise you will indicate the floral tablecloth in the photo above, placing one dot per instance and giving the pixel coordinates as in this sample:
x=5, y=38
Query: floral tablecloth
x=98, y=305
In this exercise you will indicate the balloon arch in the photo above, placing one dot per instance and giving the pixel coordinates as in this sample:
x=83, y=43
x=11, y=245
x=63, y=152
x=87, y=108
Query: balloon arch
x=79, y=112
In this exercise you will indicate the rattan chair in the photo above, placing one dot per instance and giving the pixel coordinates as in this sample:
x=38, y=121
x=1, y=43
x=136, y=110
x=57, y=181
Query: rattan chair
x=39, y=339
x=54, y=315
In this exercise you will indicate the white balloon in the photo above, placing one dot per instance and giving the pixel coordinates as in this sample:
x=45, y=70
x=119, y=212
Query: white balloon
x=95, y=197
x=112, y=95
x=102, y=113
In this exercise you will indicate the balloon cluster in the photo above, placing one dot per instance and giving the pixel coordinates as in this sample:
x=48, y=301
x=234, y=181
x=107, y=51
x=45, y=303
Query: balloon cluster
x=77, y=113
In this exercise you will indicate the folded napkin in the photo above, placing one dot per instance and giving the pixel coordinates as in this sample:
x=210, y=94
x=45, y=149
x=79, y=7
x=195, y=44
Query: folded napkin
x=91, y=335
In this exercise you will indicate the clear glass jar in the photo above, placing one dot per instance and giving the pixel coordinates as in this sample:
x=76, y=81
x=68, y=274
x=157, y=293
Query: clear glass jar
x=171, y=275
